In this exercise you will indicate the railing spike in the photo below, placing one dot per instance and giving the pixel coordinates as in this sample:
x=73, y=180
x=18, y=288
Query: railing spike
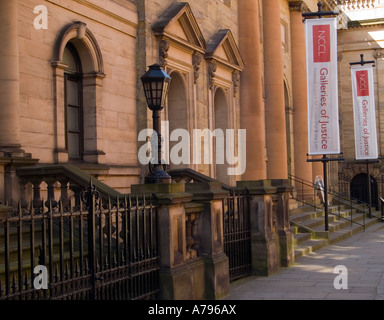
x=56, y=273
x=14, y=282
x=66, y=270
x=77, y=268
x=26, y=280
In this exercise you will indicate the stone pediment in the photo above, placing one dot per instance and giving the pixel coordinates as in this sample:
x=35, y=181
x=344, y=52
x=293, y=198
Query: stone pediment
x=223, y=49
x=179, y=25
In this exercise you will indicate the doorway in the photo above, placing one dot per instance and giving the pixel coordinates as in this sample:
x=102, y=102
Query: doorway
x=359, y=189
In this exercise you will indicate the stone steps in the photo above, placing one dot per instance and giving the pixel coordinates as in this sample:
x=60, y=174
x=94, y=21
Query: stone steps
x=308, y=226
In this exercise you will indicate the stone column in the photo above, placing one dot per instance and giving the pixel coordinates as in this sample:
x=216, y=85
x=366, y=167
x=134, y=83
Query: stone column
x=276, y=135
x=303, y=169
x=9, y=78
x=252, y=113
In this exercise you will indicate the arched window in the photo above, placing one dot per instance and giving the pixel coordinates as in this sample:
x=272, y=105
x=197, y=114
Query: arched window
x=73, y=88
x=77, y=83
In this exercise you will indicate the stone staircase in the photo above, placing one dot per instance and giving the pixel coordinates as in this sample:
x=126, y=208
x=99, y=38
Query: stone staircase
x=308, y=227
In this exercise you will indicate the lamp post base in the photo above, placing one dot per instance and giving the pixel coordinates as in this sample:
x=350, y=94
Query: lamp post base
x=159, y=176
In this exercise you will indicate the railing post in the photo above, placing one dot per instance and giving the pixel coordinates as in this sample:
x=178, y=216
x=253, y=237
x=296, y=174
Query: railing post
x=90, y=197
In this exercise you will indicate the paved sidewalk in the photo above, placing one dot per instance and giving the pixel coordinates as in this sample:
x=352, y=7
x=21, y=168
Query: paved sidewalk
x=312, y=277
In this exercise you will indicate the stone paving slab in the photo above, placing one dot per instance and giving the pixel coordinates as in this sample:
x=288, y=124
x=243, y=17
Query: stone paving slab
x=312, y=276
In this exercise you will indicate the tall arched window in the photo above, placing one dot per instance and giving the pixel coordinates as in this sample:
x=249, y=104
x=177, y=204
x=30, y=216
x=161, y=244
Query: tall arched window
x=78, y=88
x=73, y=103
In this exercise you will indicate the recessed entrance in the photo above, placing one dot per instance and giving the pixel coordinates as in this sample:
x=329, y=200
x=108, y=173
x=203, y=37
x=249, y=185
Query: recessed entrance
x=359, y=189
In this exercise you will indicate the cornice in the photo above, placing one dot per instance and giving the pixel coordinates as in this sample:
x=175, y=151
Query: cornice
x=299, y=6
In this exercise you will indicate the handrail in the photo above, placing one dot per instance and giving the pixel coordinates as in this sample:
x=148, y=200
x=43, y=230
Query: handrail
x=339, y=198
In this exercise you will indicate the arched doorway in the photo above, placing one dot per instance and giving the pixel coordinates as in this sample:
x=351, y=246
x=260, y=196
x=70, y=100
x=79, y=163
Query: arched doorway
x=221, y=122
x=359, y=189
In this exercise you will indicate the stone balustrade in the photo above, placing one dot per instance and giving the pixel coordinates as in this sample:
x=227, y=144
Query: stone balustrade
x=348, y=5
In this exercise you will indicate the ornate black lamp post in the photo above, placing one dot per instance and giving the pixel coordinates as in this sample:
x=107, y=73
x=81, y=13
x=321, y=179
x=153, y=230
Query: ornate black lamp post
x=156, y=83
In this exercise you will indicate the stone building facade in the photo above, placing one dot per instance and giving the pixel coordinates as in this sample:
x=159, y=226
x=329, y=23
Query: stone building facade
x=71, y=90
x=68, y=88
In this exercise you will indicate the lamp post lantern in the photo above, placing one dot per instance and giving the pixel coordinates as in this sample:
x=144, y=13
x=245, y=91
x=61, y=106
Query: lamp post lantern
x=156, y=83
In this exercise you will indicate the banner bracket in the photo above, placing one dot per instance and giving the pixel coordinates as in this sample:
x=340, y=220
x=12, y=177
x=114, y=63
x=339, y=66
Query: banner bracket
x=362, y=62
x=320, y=13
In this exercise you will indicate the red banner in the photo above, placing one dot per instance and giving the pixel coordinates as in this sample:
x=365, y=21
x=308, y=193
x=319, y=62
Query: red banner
x=323, y=107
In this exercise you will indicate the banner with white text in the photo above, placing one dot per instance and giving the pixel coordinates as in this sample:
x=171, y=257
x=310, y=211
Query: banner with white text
x=364, y=112
x=323, y=107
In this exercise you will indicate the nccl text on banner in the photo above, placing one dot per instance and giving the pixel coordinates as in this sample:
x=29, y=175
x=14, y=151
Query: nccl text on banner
x=364, y=112
x=323, y=108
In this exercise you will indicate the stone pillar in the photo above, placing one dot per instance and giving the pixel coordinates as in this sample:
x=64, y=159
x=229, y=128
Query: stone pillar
x=303, y=169
x=276, y=135
x=286, y=239
x=252, y=113
x=11, y=154
x=176, y=279
x=9, y=78
x=211, y=248
x=271, y=239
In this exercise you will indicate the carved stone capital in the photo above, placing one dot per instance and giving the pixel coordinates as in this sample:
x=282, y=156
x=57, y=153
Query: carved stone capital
x=163, y=52
x=212, y=67
x=378, y=54
x=196, y=61
x=236, y=82
x=299, y=6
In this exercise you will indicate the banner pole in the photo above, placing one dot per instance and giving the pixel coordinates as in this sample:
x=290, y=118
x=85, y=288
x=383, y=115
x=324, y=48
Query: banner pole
x=325, y=192
x=369, y=191
x=325, y=160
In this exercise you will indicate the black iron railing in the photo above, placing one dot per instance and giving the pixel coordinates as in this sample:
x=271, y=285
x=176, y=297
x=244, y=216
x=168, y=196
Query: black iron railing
x=98, y=250
x=237, y=233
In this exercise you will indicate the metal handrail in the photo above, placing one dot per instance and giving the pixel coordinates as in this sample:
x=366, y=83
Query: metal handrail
x=349, y=201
